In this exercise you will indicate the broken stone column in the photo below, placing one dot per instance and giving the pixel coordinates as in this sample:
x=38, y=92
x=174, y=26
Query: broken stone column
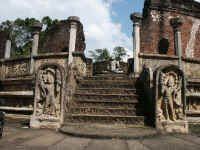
x=176, y=23
x=136, y=18
x=72, y=41
x=8, y=49
x=36, y=28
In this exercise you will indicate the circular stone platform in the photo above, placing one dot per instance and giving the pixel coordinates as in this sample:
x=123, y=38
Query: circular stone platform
x=100, y=131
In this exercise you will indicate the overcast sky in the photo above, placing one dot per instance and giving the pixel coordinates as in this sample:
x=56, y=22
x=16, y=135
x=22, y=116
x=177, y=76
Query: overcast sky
x=106, y=22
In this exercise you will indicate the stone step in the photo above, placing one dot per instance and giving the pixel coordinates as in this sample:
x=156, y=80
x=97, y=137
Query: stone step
x=106, y=119
x=100, y=97
x=106, y=91
x=17, y=109
x=107, y=103
x=108, y=77
x=106, y=84
x=106, y=111
x=22, y=84
x=17, y=94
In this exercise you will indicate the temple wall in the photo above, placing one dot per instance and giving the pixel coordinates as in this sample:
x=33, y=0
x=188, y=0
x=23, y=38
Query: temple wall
x=192, y=76
x=49, y=58
x=81, y=64
x=57, y=39
x=157, y=36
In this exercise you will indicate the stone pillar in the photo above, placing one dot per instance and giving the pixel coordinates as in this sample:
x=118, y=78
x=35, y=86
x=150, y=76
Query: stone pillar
x=36, y=28
x=176, y=23
x=136, y=18
x=72, y=41
x=7, y=49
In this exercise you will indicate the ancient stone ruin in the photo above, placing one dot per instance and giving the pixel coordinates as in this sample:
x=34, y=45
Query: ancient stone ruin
x=170, y=100
x=58, y=85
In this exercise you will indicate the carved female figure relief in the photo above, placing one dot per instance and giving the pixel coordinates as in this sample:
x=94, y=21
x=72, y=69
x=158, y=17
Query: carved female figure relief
x=49, y=90
x=170, y=100
x=167, y=92
x=170, y=97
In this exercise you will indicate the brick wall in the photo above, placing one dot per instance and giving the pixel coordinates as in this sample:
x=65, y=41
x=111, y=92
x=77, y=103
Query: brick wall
x=157, y=35
x=58, y=39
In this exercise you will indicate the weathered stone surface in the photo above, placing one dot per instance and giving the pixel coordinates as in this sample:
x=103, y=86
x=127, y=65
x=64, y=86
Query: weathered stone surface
x=136, y=18
x=121, y=107
x=72, y=144
x=170, y=100
x=60, y=32
x=107, y=144
x=110, y=67
x=19, y=138
x=49, y=97
x=157, y=33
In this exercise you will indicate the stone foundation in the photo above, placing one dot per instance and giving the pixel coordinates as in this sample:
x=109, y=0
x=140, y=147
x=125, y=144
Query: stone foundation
x=173, y=127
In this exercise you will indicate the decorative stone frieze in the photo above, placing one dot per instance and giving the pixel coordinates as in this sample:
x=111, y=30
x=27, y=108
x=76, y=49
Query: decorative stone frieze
x=17, y=68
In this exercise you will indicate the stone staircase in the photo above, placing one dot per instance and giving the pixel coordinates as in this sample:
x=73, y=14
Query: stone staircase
x=107, y=99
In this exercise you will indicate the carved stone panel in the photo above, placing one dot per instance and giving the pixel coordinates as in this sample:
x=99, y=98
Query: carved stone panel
x=170, y=100
x=48, y=100
x=193, y=100
x=17, y=68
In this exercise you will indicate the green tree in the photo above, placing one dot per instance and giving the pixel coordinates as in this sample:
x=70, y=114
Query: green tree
x=48, y=22
x=119, y=53
x=20, y=33
x=100, y=54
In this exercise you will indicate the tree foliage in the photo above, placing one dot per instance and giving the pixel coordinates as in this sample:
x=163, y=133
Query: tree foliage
x=103, y=54
x=20, y=34
x=100, y=54
x=119, y=53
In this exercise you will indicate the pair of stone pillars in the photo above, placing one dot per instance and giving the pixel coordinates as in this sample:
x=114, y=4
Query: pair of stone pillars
x=36, y=28
x=176, y=23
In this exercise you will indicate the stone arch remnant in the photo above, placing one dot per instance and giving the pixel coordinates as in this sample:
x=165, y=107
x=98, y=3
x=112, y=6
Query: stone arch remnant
x=170, y=100
x=49, y=94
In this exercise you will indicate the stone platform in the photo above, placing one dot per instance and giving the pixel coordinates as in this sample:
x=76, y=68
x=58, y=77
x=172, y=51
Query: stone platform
x=18, y=136
x=100, y=131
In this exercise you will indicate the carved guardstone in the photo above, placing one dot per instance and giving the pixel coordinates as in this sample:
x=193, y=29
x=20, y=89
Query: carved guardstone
x=170, y=101
x=48, y=101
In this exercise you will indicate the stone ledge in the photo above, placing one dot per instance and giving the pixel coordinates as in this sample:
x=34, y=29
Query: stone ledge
x=157, y=56
x=189, y=7
x=15, y=108
x=17, y=93
x=167, y=57
x=173, y=127
x=190, y=112
x=51, y=55
x=99, y=131
x=193, y=95
x=21, y=58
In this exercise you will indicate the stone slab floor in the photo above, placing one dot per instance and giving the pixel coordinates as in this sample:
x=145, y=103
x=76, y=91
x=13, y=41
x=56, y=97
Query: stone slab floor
x=18, y=137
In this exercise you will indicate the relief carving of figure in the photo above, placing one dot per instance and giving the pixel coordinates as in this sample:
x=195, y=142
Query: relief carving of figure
x=49, y=85
x=170, y=108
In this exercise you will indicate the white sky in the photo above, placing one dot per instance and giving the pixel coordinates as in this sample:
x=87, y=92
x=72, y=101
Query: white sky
x=100, y=30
